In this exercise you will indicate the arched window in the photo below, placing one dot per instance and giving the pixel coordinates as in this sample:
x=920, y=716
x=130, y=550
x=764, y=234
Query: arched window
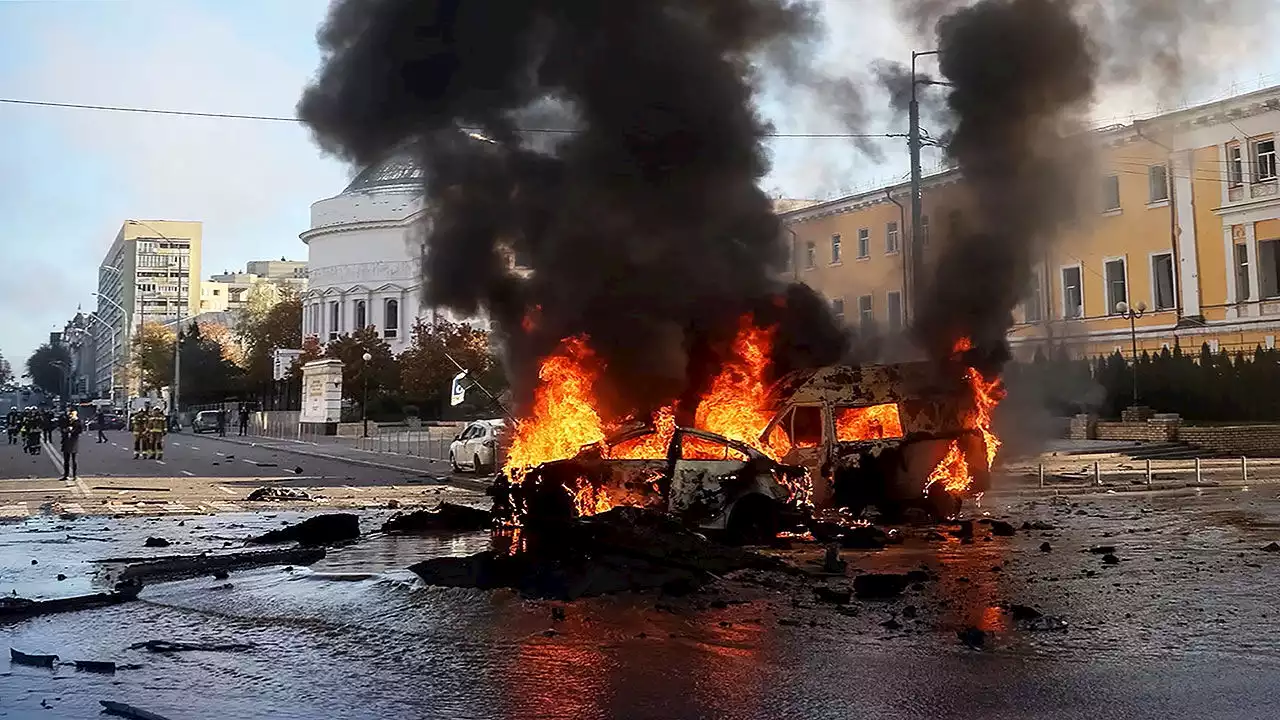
x=362, y=316
x=391, y=326
x=335, y=320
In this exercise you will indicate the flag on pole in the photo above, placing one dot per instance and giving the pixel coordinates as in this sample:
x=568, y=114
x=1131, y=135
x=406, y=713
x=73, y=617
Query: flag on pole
x=457, y=393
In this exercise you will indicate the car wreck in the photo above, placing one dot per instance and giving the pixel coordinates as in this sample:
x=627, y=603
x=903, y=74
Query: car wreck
x=707, y=481
x=890, y=436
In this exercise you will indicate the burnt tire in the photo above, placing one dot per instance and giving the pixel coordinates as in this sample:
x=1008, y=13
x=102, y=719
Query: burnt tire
x=754, y=520
x=477, y=467
x=943, y=505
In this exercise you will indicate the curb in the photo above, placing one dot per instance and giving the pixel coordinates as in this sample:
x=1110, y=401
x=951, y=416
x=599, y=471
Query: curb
x=442, y=480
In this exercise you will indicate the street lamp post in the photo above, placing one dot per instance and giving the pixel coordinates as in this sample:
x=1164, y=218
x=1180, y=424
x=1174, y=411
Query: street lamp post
x=1123, y=309
x=364, y=404
x=914, y=145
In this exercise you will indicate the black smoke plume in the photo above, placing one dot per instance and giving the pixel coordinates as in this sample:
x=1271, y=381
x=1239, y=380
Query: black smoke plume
x=644, y=227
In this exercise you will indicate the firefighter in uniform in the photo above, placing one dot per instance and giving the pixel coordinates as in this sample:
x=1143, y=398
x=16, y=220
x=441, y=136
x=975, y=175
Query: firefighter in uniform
x=157, y=425
x=138, y=425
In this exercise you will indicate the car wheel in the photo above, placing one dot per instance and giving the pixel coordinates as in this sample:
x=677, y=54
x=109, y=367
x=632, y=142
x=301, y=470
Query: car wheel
x=477, y=467
x=752, y=521
x=453, y=463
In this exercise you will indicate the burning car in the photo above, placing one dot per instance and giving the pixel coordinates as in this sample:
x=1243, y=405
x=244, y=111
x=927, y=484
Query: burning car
x=892, y=436
x=706, y=480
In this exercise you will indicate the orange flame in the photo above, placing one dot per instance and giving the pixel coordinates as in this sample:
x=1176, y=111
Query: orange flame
x=563, y=418
x=953, y=470
x=874, y=422
x=734, y=405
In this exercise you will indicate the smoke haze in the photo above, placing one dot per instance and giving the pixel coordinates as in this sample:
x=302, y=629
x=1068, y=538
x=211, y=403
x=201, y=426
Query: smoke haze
x=646, y=229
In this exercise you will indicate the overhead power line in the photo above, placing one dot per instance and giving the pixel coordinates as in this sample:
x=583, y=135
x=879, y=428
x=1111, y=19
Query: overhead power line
x=282, y=119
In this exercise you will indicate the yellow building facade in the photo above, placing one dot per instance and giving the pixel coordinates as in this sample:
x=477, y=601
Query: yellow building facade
x=1187, y=227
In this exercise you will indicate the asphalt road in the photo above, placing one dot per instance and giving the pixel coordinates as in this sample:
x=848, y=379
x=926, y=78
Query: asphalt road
x=199, y=473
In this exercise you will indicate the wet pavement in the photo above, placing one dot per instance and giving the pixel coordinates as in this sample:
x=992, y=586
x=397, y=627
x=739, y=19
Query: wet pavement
x=1183, y=626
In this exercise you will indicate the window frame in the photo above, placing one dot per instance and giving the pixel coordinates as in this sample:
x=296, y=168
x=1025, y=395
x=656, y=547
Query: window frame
x=390, y=323
x=1275, y=257
x=1035, y=299
x=1255, y=155
x=837, y=308
x=1108, y=179
x=864, y=243
x=892, y=238
x=866, y=317
x=1106, y=277
x=835, y=249
x=1241, y=271
x=335, y=319
x=360, y=313
x=810, y=255
x=1173, y=279
x=1062, y=277
x=1151, y=186
x=1235, y=165
x=895, y=319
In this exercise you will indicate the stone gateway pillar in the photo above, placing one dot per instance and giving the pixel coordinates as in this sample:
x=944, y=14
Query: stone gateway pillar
x=321, y=397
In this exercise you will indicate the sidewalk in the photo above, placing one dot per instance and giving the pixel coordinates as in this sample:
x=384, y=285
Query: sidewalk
x=435, y=469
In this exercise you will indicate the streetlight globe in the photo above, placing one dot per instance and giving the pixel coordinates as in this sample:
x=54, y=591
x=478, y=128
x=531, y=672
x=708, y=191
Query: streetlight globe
x=1122, y=307
x=367, y=357
x=1142, y=306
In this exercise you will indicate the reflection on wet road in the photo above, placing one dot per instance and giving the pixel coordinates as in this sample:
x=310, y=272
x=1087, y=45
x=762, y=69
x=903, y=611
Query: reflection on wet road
x=1182, y=627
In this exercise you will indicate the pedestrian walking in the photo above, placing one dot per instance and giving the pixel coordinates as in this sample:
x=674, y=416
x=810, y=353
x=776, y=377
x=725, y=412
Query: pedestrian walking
x=222, y=422
x=101, y=422
x=50, y=424
x=244, y=419
x=71, y=429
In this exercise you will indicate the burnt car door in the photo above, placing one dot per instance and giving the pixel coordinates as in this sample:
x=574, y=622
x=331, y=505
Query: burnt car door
x=800, y=432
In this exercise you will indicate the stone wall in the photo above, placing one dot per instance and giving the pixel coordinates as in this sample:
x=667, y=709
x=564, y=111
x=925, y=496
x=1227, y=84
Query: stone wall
x=1248, y=440
x=1144, y=431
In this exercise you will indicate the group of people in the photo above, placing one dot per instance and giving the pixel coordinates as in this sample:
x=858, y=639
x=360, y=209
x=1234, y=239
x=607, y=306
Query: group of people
x=33, y=425
x=149, y=426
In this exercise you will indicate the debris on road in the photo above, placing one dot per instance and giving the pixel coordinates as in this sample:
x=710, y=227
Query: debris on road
x=1045, y=547
x=833, y=595
x=1110, y=559
x=1273, y=547
x=1103, y=549
x=972, y=638
x=128, y=711
x=269, y=494
x=327, y=529
x=17, y=608
x=831, y=561
x=1001, y=528
x=445, y=517
x=174, y=646
x=95, y=666
x=623, y=549
x=156, y=542
x=20, y=658
x=880, y=586
x=1047, y=623
x=189, y=566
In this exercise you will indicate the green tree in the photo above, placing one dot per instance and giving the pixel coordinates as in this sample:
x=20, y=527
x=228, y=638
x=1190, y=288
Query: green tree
x=207, y=375
x=153, y=355
x=426, y=371
x=48, y=367
x=382, y=370
x=278, y=327
x=6, y=373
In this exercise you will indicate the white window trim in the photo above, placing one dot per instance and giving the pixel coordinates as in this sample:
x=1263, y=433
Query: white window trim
x=1062, y=309
x=897, y=249
x=810, y=261
x=1234, y=143
x=1167, y=185
x=1119, y=207
x=1151, y=271
x=858, y=249
x=1128, y=294
x=871, y=310
x=1253, y=159
x=836, y=260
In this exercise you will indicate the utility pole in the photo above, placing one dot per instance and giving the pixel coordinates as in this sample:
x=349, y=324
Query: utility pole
x=917, y=208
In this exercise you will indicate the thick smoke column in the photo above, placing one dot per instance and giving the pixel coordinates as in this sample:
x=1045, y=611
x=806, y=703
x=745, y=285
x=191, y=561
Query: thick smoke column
x=1022, y=76
x=644, y=228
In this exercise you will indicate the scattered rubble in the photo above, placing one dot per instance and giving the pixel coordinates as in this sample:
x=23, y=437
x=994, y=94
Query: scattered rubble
x=624, y=549
x=1047, y=623
x=1273, y=547
x=1045, y=547
x=1001, y=528
x=972, y=638
x=18, y=657
x=96, y=666
x=833, y=595
x=1103, y=549
x=272, y=494
x=173, y=646
x=327, y=529
x=182, y=567
x=445, y=517
x=1110, y=559
x=831, y=562
x=127, y=711
x=12, y=608
x=156, y=542
x=880, y=586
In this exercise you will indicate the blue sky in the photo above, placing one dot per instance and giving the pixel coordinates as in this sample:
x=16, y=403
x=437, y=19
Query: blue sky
x=68, y=178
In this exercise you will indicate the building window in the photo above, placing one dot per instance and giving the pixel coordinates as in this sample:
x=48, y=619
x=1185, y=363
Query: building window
x=1264, y=160
x=1162, y=281
x=335, y=320
x=1072, y=293
x=864, y=243
x=1269, y=268
x=1243, y=293
x=835, y=248
x=1157, y=183
x=865, y=316
x=362, y=315
x=1035, y=300
x=1117, y=292
x=837, y=308
x=1111, y=193
x=924, y=230
x=789, y=263
x=894, y=308
x=810, y=256
x=391, y=326
x=1235, y=165
x=891, y=238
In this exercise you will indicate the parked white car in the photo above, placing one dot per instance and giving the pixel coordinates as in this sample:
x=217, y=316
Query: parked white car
x=479, y=447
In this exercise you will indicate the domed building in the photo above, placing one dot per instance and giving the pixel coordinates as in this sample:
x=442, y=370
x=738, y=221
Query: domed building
x=363, y=258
